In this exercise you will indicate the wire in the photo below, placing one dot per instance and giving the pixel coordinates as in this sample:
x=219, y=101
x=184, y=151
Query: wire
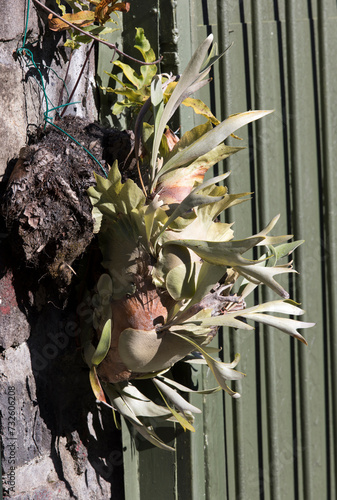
x=27, y=56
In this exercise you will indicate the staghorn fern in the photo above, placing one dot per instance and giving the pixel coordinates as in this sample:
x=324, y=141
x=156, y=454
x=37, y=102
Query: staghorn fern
x=170, y=268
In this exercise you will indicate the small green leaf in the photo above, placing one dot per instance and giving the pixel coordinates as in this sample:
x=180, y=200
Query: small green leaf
x=103, y=344
x=147, y=73
x=143, y=45
x=72, y=44
x=61, y=6
x=130, y=74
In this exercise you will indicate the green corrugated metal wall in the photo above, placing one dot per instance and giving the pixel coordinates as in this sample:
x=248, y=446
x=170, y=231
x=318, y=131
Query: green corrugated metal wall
x=279, y=440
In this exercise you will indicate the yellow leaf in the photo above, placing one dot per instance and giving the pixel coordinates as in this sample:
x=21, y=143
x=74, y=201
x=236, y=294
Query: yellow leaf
x=80, y=19
x=197, y=105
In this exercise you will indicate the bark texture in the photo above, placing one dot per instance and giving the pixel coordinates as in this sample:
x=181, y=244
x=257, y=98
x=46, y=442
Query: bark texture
x=62, y=444
x=56, y=442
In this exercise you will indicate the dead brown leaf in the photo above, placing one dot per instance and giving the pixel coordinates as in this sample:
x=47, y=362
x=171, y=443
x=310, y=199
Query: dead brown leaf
x=80, y=19
x=103, y=11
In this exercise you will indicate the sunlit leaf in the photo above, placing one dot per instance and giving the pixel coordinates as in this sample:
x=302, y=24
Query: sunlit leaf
x=182, y=420
x=124, y=405
x=238, y=319
x=130, y=74
x=142, y=406
x=286, y=249
x=286, y=325
x=211, y=139
x=106, y=7
x=157, y=99
x=225, y=371
x=148, y=351
x=143, y=45
x=261, y=274
x=146, y=431
x=189, y=76
x=222, y=253
x=178, y=401
x=180, y=282
x=221, y=371
x=198, y=106
x=196, y=198
x=178, y=181
x=80, y=19
x=183, y=388
x=149, y=215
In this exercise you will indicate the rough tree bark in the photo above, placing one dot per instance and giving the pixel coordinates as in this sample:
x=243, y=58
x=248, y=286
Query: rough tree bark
x=56, y=442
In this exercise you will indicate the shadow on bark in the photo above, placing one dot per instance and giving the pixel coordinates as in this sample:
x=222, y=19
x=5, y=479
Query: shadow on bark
x=51, y=254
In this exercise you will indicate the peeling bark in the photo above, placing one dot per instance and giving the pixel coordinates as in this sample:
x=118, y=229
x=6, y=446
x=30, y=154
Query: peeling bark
x=65, y=445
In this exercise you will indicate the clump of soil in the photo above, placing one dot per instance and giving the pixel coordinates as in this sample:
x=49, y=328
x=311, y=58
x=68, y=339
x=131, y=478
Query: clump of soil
x=45, y=204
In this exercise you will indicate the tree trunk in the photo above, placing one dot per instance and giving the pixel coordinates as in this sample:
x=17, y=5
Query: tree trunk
x=56, y=442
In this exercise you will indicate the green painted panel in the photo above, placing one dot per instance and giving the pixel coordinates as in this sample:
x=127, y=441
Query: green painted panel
x=327, y=37
x=104, y=64
x=280, y=439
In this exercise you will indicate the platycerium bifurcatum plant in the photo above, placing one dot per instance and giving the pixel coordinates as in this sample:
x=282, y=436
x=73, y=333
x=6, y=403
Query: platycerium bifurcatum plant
x=170, y=267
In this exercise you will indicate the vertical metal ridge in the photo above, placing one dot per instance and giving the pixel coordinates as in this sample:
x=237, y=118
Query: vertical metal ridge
x=225, y=104
x=319, y=73
x=260, y=125
x=330, y=223
x=295, y=150
x=130, y=464
x=251, y=457
x=240, y=456
x=240, y=482
x=263, y=201
x=223, y=43
x=281, y=33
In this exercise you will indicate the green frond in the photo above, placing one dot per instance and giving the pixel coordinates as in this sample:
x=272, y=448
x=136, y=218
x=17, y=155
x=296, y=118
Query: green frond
x=170, y=266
